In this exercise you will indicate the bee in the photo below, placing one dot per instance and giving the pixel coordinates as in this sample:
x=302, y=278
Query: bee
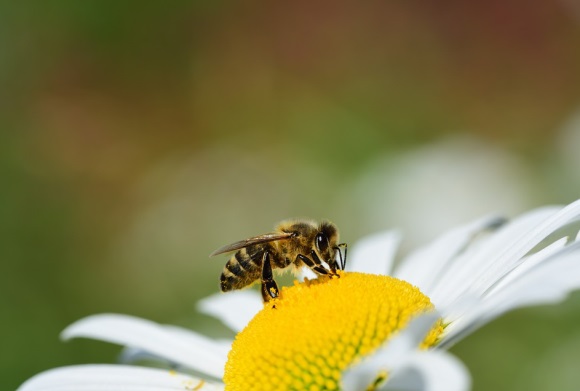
x=294, y=243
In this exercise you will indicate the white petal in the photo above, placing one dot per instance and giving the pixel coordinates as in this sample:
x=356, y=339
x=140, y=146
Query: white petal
x=132, y=354
x=471, y=302
x=433, y=370
x=195, y=352
x=374, y=254
x=362, y=374
x=114, y=378
x=409, y=368
x=478, y=262
x=527, y=264
x=424, y=266
x=306, y=273
x=548, y=282
x=235, y=309
x=220, y=346
x=525, y=244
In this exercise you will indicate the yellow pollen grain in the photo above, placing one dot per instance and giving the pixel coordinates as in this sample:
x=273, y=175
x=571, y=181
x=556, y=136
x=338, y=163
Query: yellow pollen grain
x=307, y=337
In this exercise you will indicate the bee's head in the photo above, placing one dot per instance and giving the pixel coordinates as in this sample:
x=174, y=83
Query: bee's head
x=325, y=243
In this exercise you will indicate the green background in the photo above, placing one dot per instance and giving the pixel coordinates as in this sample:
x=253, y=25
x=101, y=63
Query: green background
x=136, y=138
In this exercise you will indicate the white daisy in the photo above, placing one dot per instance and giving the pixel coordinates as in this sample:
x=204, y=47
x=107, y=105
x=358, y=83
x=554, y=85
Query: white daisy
x=330, y=334
x=473, y=273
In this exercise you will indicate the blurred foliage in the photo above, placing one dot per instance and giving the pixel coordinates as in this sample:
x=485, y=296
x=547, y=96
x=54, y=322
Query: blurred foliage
x=137, y=137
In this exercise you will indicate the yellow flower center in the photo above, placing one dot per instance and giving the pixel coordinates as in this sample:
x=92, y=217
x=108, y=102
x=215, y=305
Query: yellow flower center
x=307, y=337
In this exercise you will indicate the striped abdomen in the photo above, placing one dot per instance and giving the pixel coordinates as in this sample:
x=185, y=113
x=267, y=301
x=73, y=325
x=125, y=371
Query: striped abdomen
x=243, y=268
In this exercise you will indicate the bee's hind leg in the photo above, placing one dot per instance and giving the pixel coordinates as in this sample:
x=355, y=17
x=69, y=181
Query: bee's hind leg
x=269, y=287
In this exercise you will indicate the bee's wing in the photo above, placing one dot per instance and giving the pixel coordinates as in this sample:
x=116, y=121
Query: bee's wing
x=271, y=237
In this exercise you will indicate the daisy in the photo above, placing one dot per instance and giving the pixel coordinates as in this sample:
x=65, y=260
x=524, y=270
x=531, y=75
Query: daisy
x=332, y=334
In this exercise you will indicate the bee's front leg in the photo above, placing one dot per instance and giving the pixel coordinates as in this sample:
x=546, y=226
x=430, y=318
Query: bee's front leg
x=269, y=287
x=331, y=264
x=313, y=265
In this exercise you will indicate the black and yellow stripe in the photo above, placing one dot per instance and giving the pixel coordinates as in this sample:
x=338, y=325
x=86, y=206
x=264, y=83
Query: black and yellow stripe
x=242, y=269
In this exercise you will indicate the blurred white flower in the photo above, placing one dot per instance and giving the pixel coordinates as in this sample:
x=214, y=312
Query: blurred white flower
x=568, y=141
x=433, y=188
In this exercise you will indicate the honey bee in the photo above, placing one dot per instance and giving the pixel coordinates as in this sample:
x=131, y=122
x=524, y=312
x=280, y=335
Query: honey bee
x=294, y=243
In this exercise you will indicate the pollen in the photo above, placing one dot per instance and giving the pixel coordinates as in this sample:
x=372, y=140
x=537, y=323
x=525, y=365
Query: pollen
x=306, y=338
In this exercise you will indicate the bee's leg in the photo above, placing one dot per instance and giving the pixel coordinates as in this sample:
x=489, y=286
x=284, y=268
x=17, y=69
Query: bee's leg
x=269, y=287
x=331, y=264
x=315, y=267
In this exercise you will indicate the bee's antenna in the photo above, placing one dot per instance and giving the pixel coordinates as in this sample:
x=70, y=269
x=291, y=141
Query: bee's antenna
x=342, y=259
x=336, y=248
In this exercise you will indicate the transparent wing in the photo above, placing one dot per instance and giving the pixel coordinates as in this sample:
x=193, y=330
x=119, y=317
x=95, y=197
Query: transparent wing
x=271, y=237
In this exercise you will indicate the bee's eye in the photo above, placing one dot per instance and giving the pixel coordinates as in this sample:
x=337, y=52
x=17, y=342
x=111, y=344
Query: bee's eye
x=321, y=242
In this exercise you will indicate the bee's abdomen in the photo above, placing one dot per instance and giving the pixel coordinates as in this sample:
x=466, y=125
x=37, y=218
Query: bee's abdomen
x=242, y=269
